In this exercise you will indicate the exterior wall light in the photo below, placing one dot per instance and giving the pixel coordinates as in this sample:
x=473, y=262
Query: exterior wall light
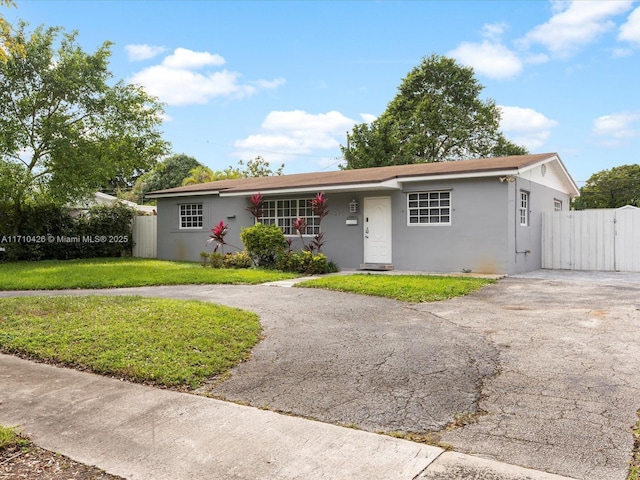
x=353, y=206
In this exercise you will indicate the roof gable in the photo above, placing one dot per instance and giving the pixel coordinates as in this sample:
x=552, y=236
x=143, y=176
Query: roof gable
x=371, y=178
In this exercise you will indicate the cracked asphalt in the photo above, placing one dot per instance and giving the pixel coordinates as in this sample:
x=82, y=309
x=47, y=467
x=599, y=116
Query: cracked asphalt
x=548, y=361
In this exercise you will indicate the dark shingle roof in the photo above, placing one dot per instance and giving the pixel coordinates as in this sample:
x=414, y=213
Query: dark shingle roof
x=319, y=180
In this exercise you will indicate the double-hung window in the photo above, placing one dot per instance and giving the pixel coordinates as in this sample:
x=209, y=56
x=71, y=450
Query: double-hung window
x=284, y=212
x=429, y=208
x=190, y=215
x=524, y=208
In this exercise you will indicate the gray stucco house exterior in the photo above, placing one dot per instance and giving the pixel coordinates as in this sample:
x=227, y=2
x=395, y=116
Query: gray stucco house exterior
x=481, y=215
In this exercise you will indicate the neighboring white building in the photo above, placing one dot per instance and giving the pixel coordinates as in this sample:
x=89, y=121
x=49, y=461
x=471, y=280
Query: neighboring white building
x=105, y=199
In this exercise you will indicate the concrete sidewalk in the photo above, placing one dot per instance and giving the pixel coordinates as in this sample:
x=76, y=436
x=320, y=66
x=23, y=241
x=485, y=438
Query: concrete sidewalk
x=140, y=432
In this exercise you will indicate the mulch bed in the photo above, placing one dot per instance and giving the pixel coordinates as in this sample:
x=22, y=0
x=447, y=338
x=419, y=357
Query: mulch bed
x=32, y=462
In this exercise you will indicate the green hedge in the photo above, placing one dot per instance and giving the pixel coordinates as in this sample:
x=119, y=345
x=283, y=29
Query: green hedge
x=50, y=232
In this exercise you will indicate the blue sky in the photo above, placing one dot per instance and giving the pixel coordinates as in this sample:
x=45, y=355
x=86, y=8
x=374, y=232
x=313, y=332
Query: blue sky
x=286, y=80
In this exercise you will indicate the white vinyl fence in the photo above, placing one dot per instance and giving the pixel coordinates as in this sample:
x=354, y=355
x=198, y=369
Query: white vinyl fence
x=145, y=236
x=605, y=240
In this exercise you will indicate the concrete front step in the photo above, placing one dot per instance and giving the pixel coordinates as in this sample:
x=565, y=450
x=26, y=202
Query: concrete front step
x=376, y=266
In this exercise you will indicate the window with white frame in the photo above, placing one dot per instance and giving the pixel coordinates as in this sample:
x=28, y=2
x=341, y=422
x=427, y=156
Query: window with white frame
x=284, y=212
x=429, y=208
x=557, y=205
x=524, y=208
x=191, y=215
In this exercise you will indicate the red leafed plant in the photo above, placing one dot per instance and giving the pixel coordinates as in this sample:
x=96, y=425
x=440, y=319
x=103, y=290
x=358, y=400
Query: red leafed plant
x=300, y=226
x=255, y=205
x=320, y=205
x=217, y=235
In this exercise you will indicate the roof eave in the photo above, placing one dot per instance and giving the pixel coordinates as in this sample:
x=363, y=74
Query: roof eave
x=182, y=194
x=456, y=176
x=571, y=184
x=351, y=187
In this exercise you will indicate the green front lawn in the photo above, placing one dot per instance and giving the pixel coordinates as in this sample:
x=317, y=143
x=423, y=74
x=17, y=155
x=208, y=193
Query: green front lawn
x=407, y=288
x=123, y=272
x=165, y=342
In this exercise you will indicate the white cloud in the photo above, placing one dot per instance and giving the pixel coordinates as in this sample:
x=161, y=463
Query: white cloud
x=367, y=117
x=287, y=133
x=621, y=52
x=177, y=81
x=617, y=127
x=183, y=58
x=143, y=52
x=575, y=24
x=184, y=87
x=269, y=84
x=488, y=58
x=536, y=58
x=630, y=31
x=525, y=126
x=494, y=30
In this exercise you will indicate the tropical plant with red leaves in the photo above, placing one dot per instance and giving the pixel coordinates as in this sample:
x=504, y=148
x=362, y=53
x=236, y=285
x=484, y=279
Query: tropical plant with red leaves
x=300, y=226
x=317, y=242
x=320, y=205
x=217, y=235
x=256, y=203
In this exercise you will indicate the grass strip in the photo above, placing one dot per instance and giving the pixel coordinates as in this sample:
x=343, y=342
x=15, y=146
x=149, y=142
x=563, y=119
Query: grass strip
x=9, y=437
x=407, y=288
x=123, y=272
x=172, y=343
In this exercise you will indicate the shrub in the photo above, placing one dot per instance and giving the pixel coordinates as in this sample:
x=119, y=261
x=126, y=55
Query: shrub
x=264, y=244
x=216, y=260
x=52, y=233
x=237, y=260
x=306, y=262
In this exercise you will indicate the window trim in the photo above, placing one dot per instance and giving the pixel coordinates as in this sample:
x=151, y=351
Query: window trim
x=523, y=208
x=557, y=203
x=182, y=216
x=429, y=208
x=285, y=222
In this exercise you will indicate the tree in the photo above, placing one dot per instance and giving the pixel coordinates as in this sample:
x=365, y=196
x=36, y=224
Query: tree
x=168, y=173
x=258, y=167
x=228, y=173
x=8, y=44
x=613, y=188
x=437, y=115
x=64, y=130
x=200, y=174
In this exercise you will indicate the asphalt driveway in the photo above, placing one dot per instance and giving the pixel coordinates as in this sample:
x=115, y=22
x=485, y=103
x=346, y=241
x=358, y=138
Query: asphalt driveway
x=545, y=365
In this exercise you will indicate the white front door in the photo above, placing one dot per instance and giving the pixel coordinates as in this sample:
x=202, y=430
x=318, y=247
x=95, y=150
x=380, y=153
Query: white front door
x=377, y=230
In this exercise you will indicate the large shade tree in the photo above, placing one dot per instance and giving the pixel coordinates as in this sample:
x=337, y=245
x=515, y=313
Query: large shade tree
x=8, y=44
x=437, y=115
x=613, y=188
x=66, y=128
x=167, y=173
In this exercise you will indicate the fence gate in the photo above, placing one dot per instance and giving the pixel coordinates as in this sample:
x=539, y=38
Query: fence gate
x=145, y=236
x=605, y=240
